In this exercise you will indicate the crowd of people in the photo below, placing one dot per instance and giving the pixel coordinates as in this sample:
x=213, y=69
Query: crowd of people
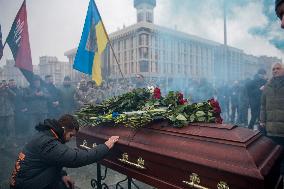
x=22, y=108
x=43, y=157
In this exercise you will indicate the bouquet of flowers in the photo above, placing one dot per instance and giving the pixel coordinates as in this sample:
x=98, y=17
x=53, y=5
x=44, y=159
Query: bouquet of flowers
x=142, y=106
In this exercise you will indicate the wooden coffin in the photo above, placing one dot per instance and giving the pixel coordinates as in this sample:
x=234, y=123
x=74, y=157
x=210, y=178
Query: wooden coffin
x=196, y=156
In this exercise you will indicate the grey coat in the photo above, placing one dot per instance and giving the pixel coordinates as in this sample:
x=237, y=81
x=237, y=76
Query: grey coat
x=272, y=107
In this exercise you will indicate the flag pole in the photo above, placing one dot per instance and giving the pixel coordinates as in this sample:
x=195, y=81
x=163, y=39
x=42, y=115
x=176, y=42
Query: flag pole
x=5, y=44
x=111, y=46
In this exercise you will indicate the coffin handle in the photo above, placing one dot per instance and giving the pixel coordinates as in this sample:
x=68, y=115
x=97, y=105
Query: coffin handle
x=222, y=185
x=194, y=182
x=85, y=145
x=139, y=164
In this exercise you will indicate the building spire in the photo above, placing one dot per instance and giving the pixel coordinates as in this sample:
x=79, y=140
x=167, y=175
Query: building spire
x=145, y=10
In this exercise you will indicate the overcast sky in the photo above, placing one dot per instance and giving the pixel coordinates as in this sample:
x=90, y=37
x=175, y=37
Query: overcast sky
x=55, y=26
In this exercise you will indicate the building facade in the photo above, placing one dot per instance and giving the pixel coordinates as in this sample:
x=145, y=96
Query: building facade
x=75, y=75
x=9, y=71
x=163, y=54
x=49, y=65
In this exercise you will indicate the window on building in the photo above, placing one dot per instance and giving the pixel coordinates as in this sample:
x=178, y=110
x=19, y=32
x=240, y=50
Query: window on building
x=118, y=45
x=179, y=58
x=144, y=52
x=132, y=55
x=156, y=55
x=125, y=55
x=131, y=42
x=140, y=16
x=156, y=67
x=147, y=39
x=124, y=44
x=149, y=17
x=125, y=68
x=144, y=66
x=179, y=68
x=156, y=41
x=141, y=39
x=165, y=68
x=185, y=69
x=132, y=67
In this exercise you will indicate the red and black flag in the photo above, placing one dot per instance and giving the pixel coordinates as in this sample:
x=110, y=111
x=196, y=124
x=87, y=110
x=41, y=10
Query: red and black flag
x=18, y=41
x=1, y=44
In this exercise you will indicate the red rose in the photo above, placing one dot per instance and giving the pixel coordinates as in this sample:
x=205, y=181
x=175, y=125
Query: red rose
x=217, y=110
x=182, y=101
x=215, y=105
x=157, y=93
x=218, y=120
x=180, y=96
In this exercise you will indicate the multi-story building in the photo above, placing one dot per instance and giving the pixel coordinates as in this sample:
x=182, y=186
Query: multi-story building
x=166, y=54
x=51, y=66
x=74, y=74
x=47, y=66
x=9, y=71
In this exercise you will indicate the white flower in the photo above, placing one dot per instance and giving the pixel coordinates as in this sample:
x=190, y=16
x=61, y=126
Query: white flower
x=151, y=89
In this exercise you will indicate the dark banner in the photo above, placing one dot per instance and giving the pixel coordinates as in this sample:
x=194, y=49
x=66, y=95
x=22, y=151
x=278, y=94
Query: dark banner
x=18, y=40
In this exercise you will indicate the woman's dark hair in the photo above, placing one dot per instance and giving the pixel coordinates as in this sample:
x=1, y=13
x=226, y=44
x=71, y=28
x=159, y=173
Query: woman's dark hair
x=69, y=122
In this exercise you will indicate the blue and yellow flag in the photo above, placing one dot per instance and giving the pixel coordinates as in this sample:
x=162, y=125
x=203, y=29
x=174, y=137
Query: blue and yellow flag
x=92, y=45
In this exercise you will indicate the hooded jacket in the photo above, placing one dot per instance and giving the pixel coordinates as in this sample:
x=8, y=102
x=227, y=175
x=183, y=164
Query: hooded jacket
x=40, y=163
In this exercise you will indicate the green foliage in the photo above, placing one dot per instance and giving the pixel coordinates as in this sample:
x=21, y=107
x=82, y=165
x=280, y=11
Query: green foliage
x=138, y=108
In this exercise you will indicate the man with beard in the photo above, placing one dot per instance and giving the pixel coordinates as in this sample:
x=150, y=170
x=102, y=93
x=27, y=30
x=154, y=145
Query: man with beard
x=40, y=163
x=53, y=101
x=7, y=126
x=20, y=109
x=67, y=92
x=36, y=97
x=272, y=107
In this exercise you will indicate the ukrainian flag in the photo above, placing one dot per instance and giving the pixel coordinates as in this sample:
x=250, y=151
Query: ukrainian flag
x=93, y=43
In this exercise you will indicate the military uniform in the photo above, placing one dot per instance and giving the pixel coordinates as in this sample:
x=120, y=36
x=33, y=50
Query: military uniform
x=7, y=124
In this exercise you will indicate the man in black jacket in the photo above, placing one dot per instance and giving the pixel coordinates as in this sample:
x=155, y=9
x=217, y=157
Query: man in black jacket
x=53, y=103
x=39, y=165
x=254, y=89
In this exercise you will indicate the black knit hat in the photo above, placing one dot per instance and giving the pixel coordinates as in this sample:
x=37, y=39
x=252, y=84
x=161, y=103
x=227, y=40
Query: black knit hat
x=277, y=3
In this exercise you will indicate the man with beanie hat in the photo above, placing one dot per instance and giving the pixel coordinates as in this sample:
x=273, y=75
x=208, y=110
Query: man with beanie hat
x=279, y=9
